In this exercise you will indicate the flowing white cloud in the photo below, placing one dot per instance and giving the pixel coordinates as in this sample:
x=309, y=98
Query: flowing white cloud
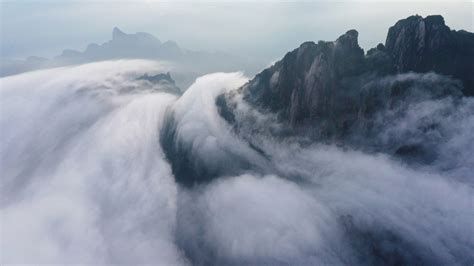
x=83, y=177
x=85, y=180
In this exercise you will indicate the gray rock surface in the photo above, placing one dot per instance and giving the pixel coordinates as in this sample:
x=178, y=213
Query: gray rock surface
x=427, y=44
x=332, y=92
x=323, y=82
x=163, y=82
x=306, y=83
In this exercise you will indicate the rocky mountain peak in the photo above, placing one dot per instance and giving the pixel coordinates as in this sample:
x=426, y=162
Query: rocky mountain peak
x=427, y=44
x=435, y=20
x=117, y=33
x=325, y=85
x=300, y=87
x=163, y=82
x=348, y=40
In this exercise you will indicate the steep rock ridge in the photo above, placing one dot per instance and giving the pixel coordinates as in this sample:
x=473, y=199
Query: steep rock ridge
x=332, y=92
x=304, y=84
x=323, y=84
x=163, y=82
x=427, y=44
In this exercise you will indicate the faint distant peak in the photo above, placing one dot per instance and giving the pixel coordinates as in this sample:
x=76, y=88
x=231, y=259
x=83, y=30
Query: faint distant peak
x=117, y=33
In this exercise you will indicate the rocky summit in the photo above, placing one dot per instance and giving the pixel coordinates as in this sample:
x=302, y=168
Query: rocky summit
x=427, y=44
x=305, y=83
x=162, y=82
x=329, y=82
x=333, y=92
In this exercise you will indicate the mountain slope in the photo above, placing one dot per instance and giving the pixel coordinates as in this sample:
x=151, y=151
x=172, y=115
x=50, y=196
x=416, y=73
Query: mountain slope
x=333, y=92
x=423, y=45
x=316, y=81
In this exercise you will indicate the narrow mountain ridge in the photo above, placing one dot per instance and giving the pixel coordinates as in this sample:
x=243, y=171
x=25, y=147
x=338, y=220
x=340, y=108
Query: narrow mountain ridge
x=327, y=80
x=427, y=44
x=331, y=92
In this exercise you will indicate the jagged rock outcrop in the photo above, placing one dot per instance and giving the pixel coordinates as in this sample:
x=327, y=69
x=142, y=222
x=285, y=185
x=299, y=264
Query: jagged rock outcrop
x=306, y=82
x=323, y=83
x=333, y=92
x=427, y=44
x=158, y=78
x=163, y=82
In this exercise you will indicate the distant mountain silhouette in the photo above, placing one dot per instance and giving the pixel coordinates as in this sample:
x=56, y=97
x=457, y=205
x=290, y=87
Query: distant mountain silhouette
x=139, y=45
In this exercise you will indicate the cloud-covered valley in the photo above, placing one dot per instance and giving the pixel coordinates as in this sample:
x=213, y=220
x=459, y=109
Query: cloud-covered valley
x=89, y=156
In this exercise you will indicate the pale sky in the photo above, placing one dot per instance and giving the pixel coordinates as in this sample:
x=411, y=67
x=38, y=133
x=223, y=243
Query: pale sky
x=266, y=29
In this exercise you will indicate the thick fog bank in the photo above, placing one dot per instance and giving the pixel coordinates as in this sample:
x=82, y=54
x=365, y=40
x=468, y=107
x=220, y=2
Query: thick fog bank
x=99, y=167
x=83, y=176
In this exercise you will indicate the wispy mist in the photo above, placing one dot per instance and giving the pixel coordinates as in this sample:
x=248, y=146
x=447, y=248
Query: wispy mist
x=85, y=179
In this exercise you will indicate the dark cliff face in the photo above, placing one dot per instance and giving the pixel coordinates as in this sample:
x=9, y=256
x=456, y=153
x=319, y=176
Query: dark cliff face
x=423, y=45
x=333, y=92
x=319, y=82
x=163, y=82
x=306, y=82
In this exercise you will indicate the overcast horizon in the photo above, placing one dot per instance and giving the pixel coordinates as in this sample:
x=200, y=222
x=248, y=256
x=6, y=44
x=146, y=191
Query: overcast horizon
x=262, y=30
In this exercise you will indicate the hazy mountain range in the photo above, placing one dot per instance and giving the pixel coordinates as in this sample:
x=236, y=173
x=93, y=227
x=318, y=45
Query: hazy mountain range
x=140, y=45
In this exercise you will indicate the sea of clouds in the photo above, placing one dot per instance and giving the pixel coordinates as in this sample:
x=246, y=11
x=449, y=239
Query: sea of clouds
x=86, y=179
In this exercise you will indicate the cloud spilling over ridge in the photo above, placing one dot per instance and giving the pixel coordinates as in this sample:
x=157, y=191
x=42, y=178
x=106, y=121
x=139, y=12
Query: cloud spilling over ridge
x=365, y=208
x=87, y=177
x=83, y=178
x=197, y=138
